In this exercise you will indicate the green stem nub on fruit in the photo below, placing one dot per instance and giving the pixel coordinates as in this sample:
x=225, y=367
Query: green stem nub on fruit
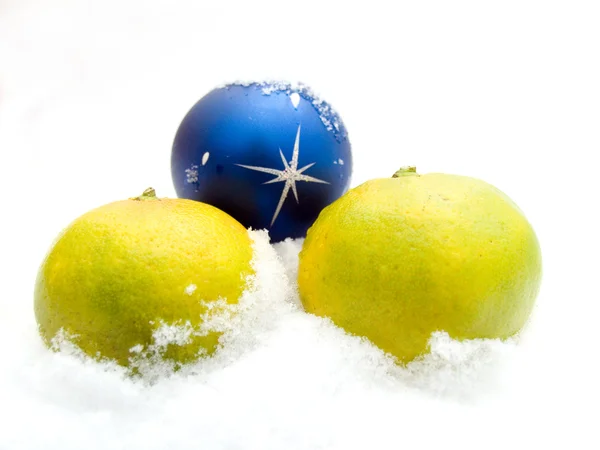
x=406, y=171
x=148, y=194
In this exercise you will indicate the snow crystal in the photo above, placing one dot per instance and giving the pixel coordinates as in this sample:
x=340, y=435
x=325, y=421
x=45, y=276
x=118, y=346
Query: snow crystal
x=136, y=348
x=189, y=290
x=64, y=341
x=192, y=174
x=172, y=333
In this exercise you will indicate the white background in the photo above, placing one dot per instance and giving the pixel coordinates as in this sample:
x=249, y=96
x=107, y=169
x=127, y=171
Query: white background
x=91, y=94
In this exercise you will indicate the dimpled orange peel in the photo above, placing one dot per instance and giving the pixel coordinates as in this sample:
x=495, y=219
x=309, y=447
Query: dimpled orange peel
x=396, y=259
x=120, y=272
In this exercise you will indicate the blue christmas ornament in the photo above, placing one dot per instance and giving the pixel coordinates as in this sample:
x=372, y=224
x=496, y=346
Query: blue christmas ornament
x=271, y=155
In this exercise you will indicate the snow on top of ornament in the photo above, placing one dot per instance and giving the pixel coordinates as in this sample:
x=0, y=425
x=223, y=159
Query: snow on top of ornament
x=296, y=90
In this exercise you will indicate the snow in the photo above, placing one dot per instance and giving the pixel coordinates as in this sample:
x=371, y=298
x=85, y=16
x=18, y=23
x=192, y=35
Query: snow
x=192, y=174
x=91, y=94
x=296, y=89
x=190, y=289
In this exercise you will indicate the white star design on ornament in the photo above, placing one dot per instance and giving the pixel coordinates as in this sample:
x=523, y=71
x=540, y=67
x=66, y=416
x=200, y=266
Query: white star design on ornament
x=290, y=174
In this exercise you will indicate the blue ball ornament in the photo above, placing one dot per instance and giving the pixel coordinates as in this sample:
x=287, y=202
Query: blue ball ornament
x=272, y=155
